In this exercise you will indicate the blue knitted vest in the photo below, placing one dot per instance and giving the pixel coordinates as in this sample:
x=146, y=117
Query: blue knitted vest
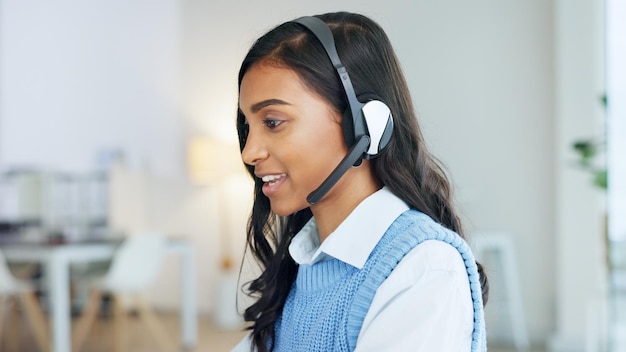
x=327, y=304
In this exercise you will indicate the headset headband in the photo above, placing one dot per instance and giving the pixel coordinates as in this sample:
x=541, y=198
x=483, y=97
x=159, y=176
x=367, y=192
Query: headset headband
x=324, y=35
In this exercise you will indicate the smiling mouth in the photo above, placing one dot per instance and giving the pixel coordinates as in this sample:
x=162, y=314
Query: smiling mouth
x=271, y=180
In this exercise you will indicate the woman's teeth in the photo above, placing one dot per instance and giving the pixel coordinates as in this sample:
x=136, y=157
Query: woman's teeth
x=271, y=179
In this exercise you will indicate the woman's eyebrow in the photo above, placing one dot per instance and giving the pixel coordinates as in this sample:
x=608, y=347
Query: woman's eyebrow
x=260, y=105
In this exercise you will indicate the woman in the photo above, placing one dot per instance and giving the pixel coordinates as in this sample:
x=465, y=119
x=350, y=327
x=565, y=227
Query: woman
x=352, y=222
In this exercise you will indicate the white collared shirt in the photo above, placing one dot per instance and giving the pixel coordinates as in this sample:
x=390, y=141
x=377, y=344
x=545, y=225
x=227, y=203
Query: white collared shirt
x=425, y=304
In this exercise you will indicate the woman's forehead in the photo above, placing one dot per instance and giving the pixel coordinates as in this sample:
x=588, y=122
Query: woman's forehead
x=263, y=82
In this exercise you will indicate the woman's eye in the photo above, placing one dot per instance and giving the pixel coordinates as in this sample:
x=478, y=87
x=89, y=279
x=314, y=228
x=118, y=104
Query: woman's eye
x=271, y=124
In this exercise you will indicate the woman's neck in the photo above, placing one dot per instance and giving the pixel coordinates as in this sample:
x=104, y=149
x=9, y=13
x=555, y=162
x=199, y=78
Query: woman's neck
x=356, y=185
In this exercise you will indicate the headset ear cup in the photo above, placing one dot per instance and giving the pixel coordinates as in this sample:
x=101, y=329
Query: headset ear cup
x=386, y=137
x=379, y=122
x=375, y=117
x=365, y=97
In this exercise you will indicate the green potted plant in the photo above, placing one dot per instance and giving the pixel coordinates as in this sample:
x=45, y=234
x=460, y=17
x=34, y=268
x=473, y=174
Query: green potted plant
x=589, y=151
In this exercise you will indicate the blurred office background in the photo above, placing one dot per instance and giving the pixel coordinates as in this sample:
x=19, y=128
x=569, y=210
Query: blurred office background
x=118, y=117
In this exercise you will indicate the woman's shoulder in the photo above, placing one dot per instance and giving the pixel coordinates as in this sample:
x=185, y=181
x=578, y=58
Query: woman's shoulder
x=414, y=223
x=435, y=246
x=435, y=255
x=418, y=218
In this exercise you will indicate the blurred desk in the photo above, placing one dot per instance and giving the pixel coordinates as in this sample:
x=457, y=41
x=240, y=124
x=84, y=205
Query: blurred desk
x=56, y=260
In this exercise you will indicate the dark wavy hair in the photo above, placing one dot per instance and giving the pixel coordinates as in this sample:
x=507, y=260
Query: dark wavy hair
x=406, y=167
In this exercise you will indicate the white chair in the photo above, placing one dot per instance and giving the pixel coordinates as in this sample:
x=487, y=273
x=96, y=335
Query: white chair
x=502, y=244
x=12, y=288
x=134, y=266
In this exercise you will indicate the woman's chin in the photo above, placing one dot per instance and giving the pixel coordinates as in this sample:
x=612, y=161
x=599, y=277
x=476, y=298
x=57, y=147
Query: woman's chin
x=283, y=209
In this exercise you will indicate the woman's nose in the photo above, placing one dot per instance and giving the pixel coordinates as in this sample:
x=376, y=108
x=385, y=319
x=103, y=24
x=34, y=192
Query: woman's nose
x=253, y=151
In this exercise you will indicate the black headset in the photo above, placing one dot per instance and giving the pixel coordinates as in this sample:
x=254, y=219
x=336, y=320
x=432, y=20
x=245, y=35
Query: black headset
x=367, y=125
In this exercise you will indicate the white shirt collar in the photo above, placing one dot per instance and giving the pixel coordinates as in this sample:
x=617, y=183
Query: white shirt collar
x=355, y=238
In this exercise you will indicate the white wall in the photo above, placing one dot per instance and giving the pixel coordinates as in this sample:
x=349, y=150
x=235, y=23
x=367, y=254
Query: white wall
x=79, y=77
x=482, y=75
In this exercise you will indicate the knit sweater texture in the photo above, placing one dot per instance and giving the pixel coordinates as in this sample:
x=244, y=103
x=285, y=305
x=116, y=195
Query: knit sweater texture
x=329, y=300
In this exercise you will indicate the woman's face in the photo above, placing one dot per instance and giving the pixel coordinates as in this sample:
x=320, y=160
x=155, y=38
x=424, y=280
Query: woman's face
x=295, y=138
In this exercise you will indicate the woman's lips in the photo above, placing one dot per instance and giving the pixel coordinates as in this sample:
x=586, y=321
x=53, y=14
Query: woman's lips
x=272, y=183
